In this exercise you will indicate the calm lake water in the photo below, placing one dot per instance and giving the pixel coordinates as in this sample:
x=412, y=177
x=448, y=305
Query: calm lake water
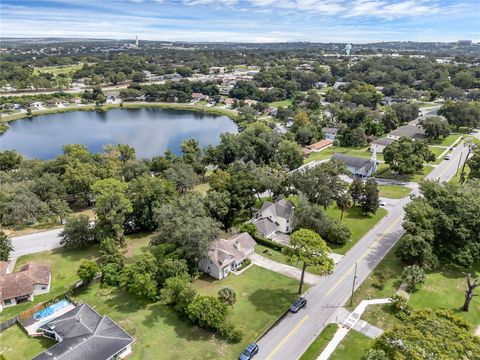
x=151, y=131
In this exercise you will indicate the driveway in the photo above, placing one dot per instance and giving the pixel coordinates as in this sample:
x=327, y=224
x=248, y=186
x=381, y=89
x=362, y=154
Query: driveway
x=284, y=269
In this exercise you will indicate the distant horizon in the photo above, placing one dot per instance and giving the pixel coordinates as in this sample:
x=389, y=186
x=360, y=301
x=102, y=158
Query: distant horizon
x=228, y=42
x=245, y=21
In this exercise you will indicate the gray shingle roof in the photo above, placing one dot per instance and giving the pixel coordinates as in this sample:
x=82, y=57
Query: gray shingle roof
x=85, y=336
x=384, y=141
x=354, y=161
x=410, y=131
x=281, y=208
x=265, y=226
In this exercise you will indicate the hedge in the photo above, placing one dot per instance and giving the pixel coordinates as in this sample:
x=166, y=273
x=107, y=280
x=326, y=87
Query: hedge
x=269, y=243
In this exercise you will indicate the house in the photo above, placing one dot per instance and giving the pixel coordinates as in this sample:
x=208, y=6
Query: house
x=229, y=102
x=21, y=286
x=84, y=334
x=37, y=105
x=379, y=144
x=410, y=131
x=60, y=103
x=272, y=111
x=358, y=166
x=76, y=101
x=113, y=97
x=249, y=102
x=199, y=96
x=330, y=133
x=274, y=217
x=320, y=145
x=225, y=256
x=340, y=84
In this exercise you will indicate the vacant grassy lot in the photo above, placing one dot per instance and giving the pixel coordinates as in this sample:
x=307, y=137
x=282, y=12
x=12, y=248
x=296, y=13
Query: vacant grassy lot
x=384, y=172
x=448, y=141
x=15, y=344
x=353, y=347
x=316, y=348
x=56, y=70
x=262, y=296
x=64, y=265
x=358, y=224
x=282, y=103
x=394, y=191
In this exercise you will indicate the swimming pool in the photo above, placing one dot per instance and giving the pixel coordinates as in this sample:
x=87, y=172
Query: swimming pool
x=50, y=310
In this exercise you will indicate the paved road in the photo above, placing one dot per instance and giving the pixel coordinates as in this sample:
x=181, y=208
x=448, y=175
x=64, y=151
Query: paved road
x=292, y=335
x=33, y=243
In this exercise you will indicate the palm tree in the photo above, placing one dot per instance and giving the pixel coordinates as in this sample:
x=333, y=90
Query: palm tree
x=344, y=202
x=227, y=295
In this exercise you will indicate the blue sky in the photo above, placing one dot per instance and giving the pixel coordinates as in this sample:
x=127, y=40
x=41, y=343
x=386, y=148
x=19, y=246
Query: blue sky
x=353, y=21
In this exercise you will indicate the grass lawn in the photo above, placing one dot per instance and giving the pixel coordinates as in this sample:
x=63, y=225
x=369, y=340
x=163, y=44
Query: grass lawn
x=384, y=172
x=262, y=296
x=281, y=103
x=353, y=347
x=56, y=70
x=15, y=344
x=279, y=257
x=437, y=152
x=394, y=191
x=328, y=153
x=64, y=265
x=448, y=141
x=316, y=348
x=358, y=224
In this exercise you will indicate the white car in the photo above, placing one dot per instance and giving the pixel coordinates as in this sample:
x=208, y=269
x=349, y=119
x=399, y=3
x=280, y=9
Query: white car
x=447, y=157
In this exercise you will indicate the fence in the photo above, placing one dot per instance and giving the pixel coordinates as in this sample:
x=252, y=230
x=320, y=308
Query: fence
x=6, y=324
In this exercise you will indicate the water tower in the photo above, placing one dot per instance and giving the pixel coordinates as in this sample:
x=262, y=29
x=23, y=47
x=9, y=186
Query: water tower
x=348, y=49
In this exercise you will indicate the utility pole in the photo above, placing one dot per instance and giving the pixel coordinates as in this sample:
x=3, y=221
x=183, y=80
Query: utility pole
x=459, y=162
x=353, y=284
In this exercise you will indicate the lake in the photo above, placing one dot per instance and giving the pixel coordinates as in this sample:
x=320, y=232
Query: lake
x=151, y=131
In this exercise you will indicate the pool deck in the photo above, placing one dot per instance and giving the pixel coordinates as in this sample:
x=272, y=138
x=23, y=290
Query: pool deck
x=31, y=326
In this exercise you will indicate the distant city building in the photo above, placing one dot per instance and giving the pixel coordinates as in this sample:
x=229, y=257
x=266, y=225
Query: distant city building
x=464, y=42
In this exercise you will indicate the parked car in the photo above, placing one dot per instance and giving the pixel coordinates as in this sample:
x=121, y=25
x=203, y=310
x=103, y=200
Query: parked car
x=447, y=157
x=298, y=304
x=382, y=203
x=249, y=352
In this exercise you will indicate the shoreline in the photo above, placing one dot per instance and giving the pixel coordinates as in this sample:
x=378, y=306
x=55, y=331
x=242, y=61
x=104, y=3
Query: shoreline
x=232, y=114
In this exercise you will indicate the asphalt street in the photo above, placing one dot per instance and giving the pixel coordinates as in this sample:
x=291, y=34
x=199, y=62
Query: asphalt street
x=293, y=334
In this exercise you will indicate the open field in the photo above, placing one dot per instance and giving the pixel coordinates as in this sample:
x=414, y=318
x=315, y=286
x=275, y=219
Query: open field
x=56, y=70
x=384, y=172
x=282, y=103
x=394, y=191
x=448, y=141
x=15, y=344
x=353, y=347
x=358, y=224
x=316, y=348
x=262, y=296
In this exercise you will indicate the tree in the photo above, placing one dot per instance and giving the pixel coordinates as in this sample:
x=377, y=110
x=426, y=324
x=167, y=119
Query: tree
x=407, y=156
x=320, y=184
x=389, y=120
x=356, y=189
x=435, y=127
x=10, y=160
x=474, y=164
x=179, y=292
x=413, y=275
x=308, y=248
x=289, y=154
x=139, y=277
x=187, y=225
x=77, y=232
x=430, y=334
x=192, y=154
x=182, y=175
x=469, y=292
x=369, y=201
x=111, y=207
x=207, y=311
x=461, y=113
x=344, y=202
x=227, y=295
x=146, y=193
x=5, y=247
x=463, y=79
x=87, y=271
x=218, y=204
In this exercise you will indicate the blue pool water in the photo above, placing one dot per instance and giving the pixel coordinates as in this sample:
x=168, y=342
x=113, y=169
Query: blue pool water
x=50, y=309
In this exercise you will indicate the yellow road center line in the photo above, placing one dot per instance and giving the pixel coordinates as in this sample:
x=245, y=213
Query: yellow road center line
x=286, y=337
x=364, y=254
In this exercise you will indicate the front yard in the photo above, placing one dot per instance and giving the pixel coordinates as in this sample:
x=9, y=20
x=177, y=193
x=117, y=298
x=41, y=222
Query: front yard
x=384, y=172
x=328, y=153
x=394, y=191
